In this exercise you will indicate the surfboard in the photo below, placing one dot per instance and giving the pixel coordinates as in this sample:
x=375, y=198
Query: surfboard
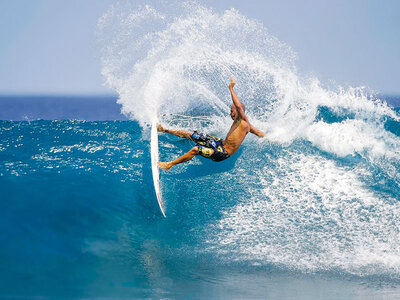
x=154, y=161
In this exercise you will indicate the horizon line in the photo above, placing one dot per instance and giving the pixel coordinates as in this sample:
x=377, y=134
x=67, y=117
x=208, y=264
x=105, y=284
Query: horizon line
x=37, y=95
x=114, y=95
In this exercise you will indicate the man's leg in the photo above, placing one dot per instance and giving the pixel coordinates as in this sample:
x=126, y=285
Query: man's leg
x=181, y=133
x=184, y=158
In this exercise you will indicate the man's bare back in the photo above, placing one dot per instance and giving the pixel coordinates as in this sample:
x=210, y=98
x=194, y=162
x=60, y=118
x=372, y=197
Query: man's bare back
x=212, y=147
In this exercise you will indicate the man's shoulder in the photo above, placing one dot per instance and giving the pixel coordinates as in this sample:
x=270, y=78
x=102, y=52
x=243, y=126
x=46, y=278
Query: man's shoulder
x=245, y=124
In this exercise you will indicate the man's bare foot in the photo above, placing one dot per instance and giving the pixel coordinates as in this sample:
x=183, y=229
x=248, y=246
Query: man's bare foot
x=232, y=84
x=164, y=165
x=160, y=128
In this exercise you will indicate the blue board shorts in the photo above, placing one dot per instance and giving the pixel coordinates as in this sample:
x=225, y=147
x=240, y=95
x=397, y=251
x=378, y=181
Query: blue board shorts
x=210, y=146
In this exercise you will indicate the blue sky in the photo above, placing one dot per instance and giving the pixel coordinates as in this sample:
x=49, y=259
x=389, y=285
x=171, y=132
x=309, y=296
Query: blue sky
x=49, y=46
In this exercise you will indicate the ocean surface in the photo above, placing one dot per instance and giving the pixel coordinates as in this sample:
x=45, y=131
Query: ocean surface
x=79, y=218
x=310, y=212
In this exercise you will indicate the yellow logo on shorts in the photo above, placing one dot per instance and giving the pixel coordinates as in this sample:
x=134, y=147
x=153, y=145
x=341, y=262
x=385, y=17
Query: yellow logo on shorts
x=207, y=152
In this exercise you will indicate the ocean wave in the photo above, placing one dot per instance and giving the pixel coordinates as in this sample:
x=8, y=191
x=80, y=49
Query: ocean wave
x=319, y=193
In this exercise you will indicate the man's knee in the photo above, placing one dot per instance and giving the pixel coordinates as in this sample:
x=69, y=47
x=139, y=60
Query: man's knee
x=188, y=135
x=194, y=150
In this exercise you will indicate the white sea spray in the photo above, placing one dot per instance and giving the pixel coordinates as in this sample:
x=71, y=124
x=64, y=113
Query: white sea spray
x=312, y=212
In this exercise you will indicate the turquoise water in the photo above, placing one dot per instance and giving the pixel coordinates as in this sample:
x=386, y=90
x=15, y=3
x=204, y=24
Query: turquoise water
x=79, y=217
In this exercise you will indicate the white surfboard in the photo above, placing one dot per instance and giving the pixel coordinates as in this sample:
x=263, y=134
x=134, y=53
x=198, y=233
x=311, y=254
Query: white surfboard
x=154, y=166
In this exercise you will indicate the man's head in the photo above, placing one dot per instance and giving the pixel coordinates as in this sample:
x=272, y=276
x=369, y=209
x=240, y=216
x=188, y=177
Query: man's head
x=234, y=113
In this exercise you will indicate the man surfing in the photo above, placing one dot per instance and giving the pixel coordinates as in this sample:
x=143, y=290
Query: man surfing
x=212, y=147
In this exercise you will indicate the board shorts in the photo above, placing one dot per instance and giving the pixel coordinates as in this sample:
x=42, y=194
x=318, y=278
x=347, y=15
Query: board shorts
x=210, y=146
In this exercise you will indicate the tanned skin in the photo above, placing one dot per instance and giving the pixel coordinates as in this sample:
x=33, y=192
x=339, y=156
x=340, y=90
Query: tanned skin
x=238, y=131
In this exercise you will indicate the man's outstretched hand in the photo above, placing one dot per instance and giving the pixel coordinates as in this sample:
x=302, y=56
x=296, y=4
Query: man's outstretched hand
x=232, y=84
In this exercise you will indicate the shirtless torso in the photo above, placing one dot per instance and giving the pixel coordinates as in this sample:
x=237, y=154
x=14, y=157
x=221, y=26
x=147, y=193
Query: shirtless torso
x=237, y=133
x=241, y=125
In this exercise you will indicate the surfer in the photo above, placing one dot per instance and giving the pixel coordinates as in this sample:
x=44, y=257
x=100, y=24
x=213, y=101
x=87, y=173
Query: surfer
x=212, y=147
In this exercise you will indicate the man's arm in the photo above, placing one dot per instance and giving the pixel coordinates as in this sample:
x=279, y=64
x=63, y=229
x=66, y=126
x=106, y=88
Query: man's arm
x=236, y=101
x=256, y=131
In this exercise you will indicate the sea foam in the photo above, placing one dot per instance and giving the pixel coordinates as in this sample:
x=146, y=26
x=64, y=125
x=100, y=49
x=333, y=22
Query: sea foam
x=329, y=190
